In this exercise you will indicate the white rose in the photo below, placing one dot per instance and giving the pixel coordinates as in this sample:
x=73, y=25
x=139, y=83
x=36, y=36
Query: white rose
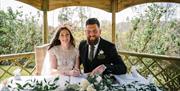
x=82, y=89
x=101, y=52
x=84, y=84
x=98, y=79
x=90, y=88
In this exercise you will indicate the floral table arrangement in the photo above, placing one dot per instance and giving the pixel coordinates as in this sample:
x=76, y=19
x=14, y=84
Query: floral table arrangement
x=106, y=83
x=91, y=83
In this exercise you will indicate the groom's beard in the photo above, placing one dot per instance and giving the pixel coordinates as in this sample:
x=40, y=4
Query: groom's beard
x=93, y=41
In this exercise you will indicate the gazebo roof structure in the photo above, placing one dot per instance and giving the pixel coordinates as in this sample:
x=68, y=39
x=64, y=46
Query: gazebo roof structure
x=101, y=4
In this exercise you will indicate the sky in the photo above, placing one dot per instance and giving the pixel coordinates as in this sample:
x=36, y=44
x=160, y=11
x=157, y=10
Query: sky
x=53, y=15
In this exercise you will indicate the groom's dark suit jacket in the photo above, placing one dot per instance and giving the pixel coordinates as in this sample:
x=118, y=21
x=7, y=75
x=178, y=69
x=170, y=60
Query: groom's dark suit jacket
x=106, y=54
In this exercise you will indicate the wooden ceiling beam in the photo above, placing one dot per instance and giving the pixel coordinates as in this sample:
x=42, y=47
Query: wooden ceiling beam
x=101, y=4
x=35, y=3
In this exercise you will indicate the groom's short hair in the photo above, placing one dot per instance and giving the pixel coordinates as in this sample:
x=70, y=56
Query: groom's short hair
x=93, y=21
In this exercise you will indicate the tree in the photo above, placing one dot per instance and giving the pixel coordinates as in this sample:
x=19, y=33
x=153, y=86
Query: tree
x=152, y=35
x=17, y=33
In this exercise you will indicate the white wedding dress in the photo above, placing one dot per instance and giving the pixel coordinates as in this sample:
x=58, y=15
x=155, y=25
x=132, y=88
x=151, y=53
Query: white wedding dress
x=66, y=59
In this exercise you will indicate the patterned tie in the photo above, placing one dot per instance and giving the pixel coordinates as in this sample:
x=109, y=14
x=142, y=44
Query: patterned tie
x=91, y=54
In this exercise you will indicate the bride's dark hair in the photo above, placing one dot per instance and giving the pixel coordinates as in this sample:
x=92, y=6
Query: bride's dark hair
x=55, y=41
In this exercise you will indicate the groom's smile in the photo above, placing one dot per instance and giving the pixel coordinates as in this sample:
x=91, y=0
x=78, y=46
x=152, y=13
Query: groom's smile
x=93, y=33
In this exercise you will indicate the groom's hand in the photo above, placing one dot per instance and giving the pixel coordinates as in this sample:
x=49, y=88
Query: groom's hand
x=99, y=70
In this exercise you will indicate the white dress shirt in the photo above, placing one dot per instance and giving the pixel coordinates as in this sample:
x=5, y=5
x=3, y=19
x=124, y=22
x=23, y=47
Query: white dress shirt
x=95, y=48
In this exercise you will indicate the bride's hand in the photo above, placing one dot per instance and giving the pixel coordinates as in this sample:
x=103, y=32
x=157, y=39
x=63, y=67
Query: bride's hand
x=63, y=72
x=74, y=72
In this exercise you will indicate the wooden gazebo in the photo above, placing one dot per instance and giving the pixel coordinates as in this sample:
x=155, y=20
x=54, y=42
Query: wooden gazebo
x=112, y=6
x=167, y=76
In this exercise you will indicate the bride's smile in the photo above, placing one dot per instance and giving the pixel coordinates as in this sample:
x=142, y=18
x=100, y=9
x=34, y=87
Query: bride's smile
x=64, y=37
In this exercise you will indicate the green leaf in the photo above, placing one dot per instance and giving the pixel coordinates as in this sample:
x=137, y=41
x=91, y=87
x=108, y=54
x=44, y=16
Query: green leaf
x=45, y=80
x=56, y=79
x=25, y=85
x=19, y=86
x=30, y=85
x=9, y=86
x=52, y=84
x=46, y=87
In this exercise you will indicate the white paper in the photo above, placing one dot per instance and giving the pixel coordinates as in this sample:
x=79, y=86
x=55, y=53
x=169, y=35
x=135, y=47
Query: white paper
x=78, y=79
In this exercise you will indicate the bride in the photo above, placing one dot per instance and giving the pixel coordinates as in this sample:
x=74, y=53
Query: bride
x=62, y=56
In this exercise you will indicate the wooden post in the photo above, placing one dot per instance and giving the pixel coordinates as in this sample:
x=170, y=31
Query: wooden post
x=114, y=9
x=45, y=32
x=45, y=8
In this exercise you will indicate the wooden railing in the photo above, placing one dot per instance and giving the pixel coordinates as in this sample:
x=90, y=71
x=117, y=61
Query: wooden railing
x=24, y=61
x=165, y=69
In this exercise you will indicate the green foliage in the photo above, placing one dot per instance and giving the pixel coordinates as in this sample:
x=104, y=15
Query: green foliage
x=72, y=87
x=18, y=33
x=36, y=85
x=106, y=83
x=95, y=81
x=154, y=32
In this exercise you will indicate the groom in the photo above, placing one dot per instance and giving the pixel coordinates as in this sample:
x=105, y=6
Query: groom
x=97, y=55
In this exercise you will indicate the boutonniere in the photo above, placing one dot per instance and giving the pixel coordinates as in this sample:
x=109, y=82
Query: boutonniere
x=101, y=55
